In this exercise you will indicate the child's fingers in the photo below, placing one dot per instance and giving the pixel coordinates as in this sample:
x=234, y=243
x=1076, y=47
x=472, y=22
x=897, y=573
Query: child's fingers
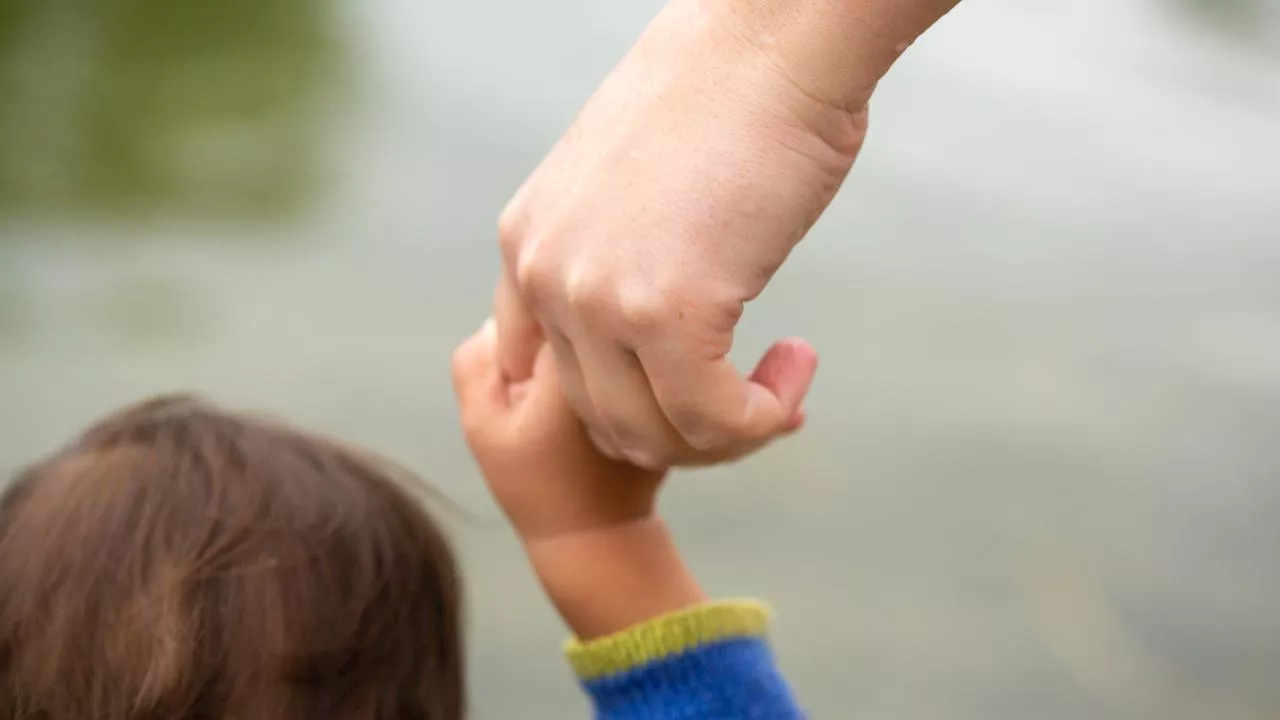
x=476, y=379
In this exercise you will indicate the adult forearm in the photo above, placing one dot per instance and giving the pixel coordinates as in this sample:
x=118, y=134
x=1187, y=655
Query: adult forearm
x=834, y=50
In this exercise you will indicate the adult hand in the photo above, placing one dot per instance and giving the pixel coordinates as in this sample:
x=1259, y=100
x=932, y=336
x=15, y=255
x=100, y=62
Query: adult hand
x=675, y=196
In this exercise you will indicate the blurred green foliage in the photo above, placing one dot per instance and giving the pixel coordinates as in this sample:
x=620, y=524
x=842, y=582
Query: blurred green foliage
x=148, y=308
x=145, y=107
x=14, y=313
x=1238, y=15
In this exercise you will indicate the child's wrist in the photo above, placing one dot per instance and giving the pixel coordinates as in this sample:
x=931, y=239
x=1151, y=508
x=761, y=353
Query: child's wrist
x=605, y=580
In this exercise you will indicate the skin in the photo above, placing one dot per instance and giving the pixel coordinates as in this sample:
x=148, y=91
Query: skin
x=674, y=197
x=588, y=524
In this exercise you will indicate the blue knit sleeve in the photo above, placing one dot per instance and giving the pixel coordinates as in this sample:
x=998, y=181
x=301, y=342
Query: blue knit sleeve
x=711, y=662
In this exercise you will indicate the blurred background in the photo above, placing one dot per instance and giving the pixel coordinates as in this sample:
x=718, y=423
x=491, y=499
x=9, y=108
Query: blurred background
x=1042, y=473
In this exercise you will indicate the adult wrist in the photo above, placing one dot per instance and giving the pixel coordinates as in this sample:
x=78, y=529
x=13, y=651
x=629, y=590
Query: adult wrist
x=753, y=64
x=835, y=51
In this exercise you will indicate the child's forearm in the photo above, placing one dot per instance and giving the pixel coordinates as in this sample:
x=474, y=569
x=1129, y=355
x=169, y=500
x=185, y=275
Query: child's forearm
x=607, y=580
x=648, y=646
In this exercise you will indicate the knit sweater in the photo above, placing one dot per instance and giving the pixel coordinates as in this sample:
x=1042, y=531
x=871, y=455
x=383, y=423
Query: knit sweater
x=711, y=662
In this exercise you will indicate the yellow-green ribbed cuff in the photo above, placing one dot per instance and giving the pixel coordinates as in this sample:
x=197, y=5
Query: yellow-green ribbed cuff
x=667, y=635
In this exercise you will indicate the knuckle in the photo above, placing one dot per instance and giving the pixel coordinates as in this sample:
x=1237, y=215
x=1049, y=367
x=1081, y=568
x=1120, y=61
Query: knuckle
x=618, y=301
x=642, y=309
x=535, y=272
x=512, y=226
x=589, y=293
x=644, y=312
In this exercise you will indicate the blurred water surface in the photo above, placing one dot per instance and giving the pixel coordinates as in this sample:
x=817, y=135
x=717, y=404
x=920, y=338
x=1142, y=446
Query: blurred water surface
x=1042, y=476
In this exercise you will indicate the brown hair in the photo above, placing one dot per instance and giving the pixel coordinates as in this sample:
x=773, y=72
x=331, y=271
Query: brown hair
x=177, y=561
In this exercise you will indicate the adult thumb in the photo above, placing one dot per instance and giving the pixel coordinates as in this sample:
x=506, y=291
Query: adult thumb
x=786, y=370
x=519, y=334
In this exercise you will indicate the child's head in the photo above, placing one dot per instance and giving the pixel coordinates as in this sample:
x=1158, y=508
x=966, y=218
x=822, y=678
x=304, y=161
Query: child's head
x=179, y=561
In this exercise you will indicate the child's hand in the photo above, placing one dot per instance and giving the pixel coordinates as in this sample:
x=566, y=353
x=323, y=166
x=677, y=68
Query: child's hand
x=535, y=454
x=587, y=523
